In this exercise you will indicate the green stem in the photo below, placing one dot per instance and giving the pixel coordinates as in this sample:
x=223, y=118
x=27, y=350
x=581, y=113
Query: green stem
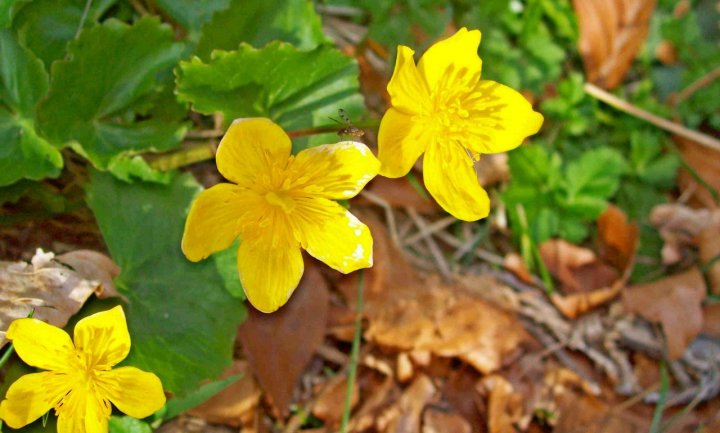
x=5, y=356
x=660, y=406
x=354, y=354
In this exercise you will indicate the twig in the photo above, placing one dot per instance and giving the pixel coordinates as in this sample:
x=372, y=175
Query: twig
x=696, y=85
x=83, y=17
x=658, y=121
x=434, y=249
x=429, y=230
x=389, y=215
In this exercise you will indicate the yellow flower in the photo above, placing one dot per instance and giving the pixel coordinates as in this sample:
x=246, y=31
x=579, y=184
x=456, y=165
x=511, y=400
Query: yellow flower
x=80, y=383
x=279, y=203
x=442, y=108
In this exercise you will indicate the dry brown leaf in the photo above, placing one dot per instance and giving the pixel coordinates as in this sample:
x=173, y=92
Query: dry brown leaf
x=679, y=226
x=444, y=421
x=505, y=406
x=562, y=258
x=492, y=169
x=331, y=402
x=406, y=313
x=617, y=239
x=447, y=322
x=705, y=162
x=711, y=320
x=709, y=244
x=514, y=263
x=279, y=345
x=232, y=405
x=55, y=291
x=405, y=416
x=673, y=301
x=399, y=193
x=611, y=34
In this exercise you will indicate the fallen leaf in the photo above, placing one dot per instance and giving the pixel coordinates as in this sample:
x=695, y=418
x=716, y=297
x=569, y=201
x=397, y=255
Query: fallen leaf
x=708, y=241
x=330, y=403
x=52, y=289
x=705, y=163
x=492, y=168
x=514, y=263
x=444, y=421
x=232, y=405
x=405, y=416
x=504, y=404
x=562, y=258
x=673, y=301
x=278, y=346
x=679, y=227
x=711, y=320
x=398, y=193
x=611, y=34
x=93, y=266
x=617, y=239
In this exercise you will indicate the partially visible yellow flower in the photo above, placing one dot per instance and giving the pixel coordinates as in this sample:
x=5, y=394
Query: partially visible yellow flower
x=80, y=383
x=442, y=108
x=278, y=204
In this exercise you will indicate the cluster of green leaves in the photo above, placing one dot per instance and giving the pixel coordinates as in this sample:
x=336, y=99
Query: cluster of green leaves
x=104, y=82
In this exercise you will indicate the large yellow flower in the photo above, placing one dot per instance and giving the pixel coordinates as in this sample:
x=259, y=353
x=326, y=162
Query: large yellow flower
x=279, y=203
x=80, y=383
x=442, y=108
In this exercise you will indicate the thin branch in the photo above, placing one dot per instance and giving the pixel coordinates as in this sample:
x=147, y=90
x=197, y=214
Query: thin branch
x=696, y=85
x=675, y=128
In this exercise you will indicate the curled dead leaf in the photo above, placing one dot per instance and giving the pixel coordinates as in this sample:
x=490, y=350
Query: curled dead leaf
x=233, y=405
x=505, y=406
x=611, y=34
x=680, y=227
x=278, y=346
x=53, y=290
x=675, y=302
x=705, y=163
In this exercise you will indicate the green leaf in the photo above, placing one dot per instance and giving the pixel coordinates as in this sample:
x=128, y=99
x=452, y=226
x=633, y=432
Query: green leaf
x=182, y=320
x=596, y=173
x=7, y=10
x=23, y=82
x=126, y=424
x=297, y=89
x=226, y=263
x=111, y=67
x=192, y=14
x=260, y=22
x=46, y=26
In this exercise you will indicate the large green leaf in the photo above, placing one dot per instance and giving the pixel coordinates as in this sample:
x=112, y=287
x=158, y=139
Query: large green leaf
x=92, y=95
x=182, y=320
x=259, y=22
x=297, y=89
x=192, y=14
x=23, y=81
x=46, y=26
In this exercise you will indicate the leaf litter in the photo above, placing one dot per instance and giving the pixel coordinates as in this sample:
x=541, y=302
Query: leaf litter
x=458, y=334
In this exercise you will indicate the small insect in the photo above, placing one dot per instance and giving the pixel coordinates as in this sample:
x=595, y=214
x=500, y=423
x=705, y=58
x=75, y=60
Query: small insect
x=349, y=130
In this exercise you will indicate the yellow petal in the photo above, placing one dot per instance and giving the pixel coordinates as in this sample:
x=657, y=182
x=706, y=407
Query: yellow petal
x=40, y=344
x=31, y=396
x=333, y=235
x=337, y=171
x=135, y=392
x=270, y=267
x=452, y=62
x=400, y=143
x=501, y=118
x=103, y=338
x=407, y=89
x=214, y=219
x=83, y=411
x=450, y=178
x=249, y=148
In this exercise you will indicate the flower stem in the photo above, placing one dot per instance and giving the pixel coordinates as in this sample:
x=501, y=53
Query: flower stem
x=354, y=354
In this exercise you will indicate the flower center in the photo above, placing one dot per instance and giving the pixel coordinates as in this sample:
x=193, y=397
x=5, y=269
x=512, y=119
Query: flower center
x=280, y=200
